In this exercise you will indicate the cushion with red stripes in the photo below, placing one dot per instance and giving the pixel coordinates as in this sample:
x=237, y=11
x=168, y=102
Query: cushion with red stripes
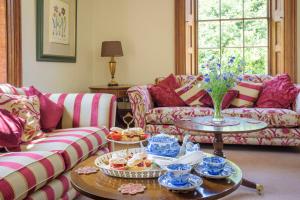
x=54, y=190
x=73, y=144
x=24, y=172
x=248, y=94
x=10, y=89
x=192, y=92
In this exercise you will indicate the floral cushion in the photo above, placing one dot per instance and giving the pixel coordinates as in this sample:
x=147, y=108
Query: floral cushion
x=27, y=108
x=273, y=117
x=168, y=115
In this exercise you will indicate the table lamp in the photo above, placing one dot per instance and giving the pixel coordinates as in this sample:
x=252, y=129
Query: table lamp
x=112, y=49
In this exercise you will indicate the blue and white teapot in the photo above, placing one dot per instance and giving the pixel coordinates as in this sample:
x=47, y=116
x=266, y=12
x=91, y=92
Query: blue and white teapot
x=163, y=145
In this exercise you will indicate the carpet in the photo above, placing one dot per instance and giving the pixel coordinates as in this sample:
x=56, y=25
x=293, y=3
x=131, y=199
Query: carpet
x=277, y=168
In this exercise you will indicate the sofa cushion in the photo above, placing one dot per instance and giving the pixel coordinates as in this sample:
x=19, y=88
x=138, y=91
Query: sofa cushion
x=163, y=93
x=11, y=129
x=274, y=117
x=24, y=172
x=248, y=94
x=280, y=92
x=73, y=144
x=27, y=108
x=168, y=115
x=192, y=92
x=51, y=113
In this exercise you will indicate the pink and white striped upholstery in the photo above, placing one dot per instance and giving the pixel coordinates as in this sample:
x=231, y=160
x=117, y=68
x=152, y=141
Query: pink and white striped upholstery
x=24, y=172
x=83, y=110
x=75, y=144
x=71, y=194
x=56, y=189
x=80, y=109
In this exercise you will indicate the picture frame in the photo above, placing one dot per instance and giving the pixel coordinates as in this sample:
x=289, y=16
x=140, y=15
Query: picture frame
x=56, y=30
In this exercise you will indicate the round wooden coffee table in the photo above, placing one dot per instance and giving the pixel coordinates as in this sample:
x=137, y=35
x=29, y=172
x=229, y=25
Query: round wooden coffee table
x=101, y=186
x=235, y=125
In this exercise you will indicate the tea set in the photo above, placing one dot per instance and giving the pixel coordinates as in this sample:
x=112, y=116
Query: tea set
x=178, y=176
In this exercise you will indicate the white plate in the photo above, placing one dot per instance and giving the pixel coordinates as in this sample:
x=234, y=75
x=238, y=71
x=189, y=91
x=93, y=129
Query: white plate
x=102, y=163
x=128, y=142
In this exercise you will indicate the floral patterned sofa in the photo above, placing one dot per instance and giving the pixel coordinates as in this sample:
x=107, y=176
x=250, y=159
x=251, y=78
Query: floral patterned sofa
x=41, y=170
x=283, y=124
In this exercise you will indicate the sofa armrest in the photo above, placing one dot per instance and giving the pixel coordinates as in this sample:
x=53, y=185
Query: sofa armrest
x=86, y=109
x=296, y=106
x=141, y=102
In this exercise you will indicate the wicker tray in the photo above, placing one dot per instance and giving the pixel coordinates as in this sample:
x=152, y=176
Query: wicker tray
x=102, y=163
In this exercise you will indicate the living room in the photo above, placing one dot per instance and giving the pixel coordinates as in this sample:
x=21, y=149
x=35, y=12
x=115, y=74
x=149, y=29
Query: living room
x=147, y=68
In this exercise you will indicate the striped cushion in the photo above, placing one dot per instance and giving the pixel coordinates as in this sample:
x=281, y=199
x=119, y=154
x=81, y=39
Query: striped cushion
x=83, y=110
x=248, y=94
x=70, y=195
x=25, y=172
x=192, y=92
x=10, y=89
x=56, y=189
x=74, y=144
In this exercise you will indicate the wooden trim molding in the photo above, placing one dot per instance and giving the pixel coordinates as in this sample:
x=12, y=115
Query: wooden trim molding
x=180, y=47
x=14, y=42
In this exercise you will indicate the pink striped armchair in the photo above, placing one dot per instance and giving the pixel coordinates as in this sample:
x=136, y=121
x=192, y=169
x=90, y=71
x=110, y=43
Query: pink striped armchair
x=41, y=170
x=283, y=124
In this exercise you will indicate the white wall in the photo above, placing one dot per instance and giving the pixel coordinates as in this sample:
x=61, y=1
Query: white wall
x=51, y=76
x=146, y=30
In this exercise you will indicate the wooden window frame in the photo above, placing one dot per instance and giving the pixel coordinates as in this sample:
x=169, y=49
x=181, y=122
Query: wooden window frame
x=13, y=42
x=282, y=48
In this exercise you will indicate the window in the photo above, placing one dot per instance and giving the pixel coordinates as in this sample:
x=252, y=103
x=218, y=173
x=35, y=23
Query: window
x=234, y=28
x=260, y=32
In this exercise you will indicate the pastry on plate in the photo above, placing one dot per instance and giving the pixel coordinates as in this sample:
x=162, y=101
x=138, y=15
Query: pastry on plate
x=118, y=163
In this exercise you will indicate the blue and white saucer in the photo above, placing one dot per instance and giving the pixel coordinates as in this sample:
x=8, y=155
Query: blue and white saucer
x=194, y=182
x=203, y=171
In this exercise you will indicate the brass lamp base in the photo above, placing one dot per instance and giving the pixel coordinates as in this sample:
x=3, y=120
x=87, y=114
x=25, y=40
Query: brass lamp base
x=112, y=68
x=112, y=83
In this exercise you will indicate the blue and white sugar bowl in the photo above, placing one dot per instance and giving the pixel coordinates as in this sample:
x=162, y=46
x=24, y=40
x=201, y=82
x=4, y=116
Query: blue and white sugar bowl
x=179, y=173
x=215, y=165
x=190, y=147
x=163, y=145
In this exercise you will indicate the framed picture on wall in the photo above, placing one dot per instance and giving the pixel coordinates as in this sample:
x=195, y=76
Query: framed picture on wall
x=56, y=27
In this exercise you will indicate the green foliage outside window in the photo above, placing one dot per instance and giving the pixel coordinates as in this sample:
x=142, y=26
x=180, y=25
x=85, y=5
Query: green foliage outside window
x=236, y=28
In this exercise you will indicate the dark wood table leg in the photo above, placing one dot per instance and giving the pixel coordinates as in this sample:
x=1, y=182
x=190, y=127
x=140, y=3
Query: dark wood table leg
x=218, y=145
x=259, y=188
x=218, y=151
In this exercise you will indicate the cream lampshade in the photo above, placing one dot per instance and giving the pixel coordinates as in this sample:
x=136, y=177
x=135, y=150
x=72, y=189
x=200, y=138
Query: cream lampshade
x=112, y=49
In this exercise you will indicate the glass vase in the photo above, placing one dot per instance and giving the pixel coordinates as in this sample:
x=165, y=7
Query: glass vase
x=218, y=117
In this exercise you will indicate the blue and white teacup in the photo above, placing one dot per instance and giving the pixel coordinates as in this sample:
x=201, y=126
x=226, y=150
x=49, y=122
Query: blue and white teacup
x=179, y=173
x=190, y=147
x=215, y=165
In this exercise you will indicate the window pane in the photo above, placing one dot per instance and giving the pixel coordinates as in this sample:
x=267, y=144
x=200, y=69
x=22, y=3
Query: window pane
x=256, y=8
x=205, y=54
x=232, y=33
x=208, y=9
x=209, y=35
x=256, y=60
x=229, y=52
x=256, y=32
x=231, y=9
